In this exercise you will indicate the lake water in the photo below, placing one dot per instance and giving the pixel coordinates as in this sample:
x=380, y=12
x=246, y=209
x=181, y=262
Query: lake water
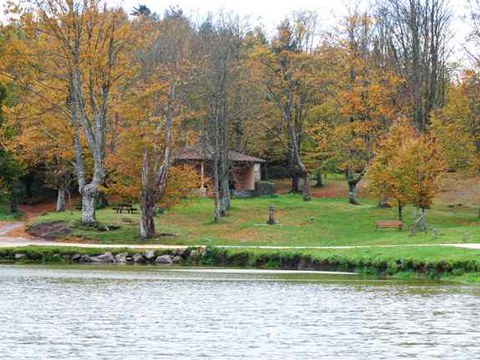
x=151, y=313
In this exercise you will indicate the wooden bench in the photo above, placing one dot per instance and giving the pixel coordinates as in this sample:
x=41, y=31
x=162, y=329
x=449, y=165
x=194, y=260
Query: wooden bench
x=128, y=208
x=396, y=224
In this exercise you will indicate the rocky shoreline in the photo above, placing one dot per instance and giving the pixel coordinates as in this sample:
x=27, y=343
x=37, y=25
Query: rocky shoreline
x=260, y=259
x=177, y=257
x=173, y=257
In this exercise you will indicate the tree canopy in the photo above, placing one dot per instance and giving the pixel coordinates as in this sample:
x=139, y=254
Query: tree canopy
x=102, y=97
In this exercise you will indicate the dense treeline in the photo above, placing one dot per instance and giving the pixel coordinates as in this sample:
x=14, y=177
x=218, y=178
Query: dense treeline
x=97, y=99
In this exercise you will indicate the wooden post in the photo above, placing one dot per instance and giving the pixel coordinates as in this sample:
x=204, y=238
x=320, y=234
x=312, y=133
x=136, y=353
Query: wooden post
x=271, y=216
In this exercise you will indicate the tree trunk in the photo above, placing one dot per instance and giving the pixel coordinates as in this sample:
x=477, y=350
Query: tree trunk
x=154, y=175
x=384, y=202
x=147, y=208
x=13, y=202
x=225, y=198
x=28, y=186
x=295, y=179
x=298, y=168
x=353, y=181
x=352, y=193
x=224, y=169
x=422, y=223
x=319, y=179
x=400, y=208
x=89, y=199
x=61, y=200
x=295, y=184
x=306, y=190
x=217, y=211
x=296, y=165
x=295, y=188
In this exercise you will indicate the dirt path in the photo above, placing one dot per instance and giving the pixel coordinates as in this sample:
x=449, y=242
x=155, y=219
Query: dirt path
x=20, y=242
x=8, y=238
x=473, y=246
x=8, y=227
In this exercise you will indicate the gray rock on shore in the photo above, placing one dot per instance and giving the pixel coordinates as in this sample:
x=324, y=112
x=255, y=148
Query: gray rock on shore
x=178, y=251
x=85, y=259
x=176, y=256
x=149, y=255
x=121, y=258
x=106, y=258
x=76, y=257
x=177, y=259
x=138, y=258
x=163, y=260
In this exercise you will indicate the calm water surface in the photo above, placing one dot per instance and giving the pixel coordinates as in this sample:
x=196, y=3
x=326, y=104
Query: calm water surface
x=149, y=313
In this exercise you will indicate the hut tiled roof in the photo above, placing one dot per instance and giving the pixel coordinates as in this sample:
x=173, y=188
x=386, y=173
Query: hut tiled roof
x=199, y=153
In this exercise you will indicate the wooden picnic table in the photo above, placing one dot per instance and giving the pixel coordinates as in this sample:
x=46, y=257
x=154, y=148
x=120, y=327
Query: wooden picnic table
x=124, y=207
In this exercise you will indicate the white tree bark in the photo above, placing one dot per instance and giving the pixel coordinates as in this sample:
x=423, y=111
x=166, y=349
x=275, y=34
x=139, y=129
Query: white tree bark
x=89, y=199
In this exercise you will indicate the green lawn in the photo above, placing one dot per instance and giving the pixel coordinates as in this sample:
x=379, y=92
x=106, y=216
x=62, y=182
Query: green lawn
x=323, y=221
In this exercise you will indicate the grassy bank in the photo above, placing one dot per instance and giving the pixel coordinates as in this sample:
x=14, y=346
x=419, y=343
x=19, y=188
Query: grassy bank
x=437, y=262
x=431, y=260
x=322, y=221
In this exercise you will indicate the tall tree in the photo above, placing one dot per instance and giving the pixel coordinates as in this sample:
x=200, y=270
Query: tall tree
x=407, y=167
x=86, y=42
x=419, y=165
x=219, y=47
x=384, y=180
x=418, y=42
x=162, y=61
x=457, y=125
x=364, y=92
x=285, y=72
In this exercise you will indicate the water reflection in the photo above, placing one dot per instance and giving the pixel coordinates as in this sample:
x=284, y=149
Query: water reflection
x=152, y=313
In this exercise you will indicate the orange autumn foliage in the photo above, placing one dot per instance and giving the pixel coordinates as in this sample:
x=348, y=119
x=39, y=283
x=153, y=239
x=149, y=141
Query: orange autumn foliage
x=407, y=166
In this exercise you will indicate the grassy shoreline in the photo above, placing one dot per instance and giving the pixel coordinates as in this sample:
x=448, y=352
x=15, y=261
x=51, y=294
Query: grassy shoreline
x=321, y=222
x=440, y=263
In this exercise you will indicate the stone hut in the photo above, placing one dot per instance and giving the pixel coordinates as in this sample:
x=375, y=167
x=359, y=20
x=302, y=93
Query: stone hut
x=245, y=169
